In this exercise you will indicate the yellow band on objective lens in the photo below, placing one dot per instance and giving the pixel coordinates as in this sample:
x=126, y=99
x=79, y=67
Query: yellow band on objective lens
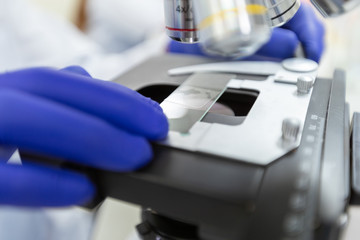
x=255, y=9
x=251, y=9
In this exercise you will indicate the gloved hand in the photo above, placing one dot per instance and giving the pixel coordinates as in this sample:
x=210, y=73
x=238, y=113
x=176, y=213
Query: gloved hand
x=304, y=28
x=74, y=117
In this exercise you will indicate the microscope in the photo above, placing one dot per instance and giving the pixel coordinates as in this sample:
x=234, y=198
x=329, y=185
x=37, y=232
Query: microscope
x=256, y=150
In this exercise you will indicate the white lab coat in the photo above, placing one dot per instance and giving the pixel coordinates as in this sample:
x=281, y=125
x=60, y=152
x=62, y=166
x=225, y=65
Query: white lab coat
x=120, y=34
x=117, y=25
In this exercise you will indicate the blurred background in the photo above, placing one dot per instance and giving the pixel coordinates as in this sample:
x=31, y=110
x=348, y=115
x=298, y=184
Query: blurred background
x=99, y=21
x=67, y=9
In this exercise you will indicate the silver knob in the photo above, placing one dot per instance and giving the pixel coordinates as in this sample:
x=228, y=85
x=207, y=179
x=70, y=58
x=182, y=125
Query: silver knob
x=304, y=84
x=300, y=65
x=290, y=129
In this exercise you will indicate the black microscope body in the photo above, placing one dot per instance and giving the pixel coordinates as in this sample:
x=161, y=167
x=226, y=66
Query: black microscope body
x=303, y=194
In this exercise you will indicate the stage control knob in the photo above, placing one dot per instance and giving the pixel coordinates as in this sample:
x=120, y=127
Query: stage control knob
x=290, y=129
x=304, y=84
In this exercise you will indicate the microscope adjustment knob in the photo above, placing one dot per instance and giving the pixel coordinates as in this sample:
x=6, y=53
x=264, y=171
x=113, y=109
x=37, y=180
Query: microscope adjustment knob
x=304, y=84
x=300, y=65
x=290, y=129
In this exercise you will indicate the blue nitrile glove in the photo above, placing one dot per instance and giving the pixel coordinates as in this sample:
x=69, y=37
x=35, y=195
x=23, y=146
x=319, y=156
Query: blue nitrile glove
x=304, y=28
x=69, y=115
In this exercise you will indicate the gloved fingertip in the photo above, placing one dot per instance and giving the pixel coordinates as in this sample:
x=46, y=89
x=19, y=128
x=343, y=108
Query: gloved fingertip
x=137, y=158
x=314, y=57
x=77, y=70
x=313, y=51
x=157, y=125
x=152, y=103
x=160, y=129
x=79, y=190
